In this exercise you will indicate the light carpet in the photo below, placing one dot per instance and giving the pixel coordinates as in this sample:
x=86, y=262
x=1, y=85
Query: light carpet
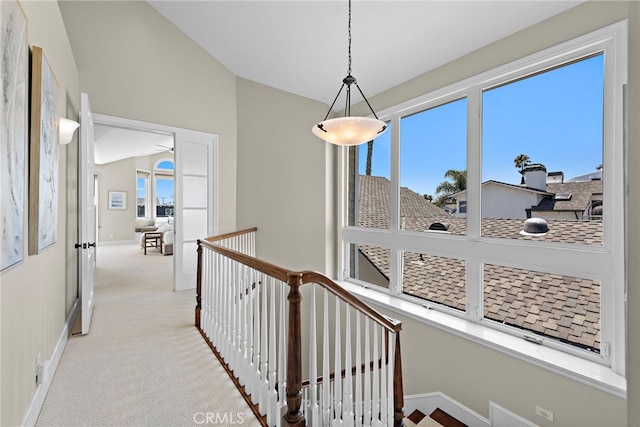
x=143, y=362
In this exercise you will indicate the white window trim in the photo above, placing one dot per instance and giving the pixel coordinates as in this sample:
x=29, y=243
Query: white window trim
x=147, y=193
x=604, y=263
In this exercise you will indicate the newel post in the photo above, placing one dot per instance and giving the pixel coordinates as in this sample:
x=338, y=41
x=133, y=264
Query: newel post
x=294, y=417
x=199, y=285
x=398, y=391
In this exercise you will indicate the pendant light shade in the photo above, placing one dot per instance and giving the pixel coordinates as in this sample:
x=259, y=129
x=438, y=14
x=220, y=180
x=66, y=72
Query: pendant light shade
x=349, y=130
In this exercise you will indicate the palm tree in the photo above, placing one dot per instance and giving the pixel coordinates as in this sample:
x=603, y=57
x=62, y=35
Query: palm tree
x=522, y=161
x=369, y=157
x=457, y=183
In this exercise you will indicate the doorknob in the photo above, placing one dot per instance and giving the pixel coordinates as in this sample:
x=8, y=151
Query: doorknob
x=92, y=245
x=77, y=245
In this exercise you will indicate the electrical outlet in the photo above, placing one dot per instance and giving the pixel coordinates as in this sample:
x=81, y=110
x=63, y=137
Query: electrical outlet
x=544, y=413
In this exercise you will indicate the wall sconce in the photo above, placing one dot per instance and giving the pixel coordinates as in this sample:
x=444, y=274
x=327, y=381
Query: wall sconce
x=66, y=128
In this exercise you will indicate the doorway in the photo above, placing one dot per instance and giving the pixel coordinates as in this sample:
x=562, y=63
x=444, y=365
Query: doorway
x=137, y=154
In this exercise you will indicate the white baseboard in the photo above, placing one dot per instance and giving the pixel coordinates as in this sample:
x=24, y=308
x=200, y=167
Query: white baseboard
x=33, y=411
x=429, y=402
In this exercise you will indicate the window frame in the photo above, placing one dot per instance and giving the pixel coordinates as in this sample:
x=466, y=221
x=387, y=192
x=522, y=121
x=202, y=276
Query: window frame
x=604, y=263
x=147, y=193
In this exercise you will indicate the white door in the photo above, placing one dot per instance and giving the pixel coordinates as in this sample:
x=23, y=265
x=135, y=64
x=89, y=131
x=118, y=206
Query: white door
x=87, y=215
x=195, y=207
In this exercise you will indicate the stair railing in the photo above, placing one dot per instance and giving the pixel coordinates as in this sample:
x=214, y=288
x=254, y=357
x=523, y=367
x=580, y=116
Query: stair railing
x=250, y=313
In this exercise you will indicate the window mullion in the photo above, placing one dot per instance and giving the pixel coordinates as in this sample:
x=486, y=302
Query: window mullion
x=474, y=185
x=395, y=261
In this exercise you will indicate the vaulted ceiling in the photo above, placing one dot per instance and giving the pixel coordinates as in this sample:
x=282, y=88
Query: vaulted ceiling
x=300, y=46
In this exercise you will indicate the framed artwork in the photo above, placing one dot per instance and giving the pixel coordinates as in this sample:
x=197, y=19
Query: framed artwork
x=13, y=130
x=43, y=155
x=117, y=200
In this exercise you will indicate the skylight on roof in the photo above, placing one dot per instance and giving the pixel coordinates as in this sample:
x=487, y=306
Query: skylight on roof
x=563, y=196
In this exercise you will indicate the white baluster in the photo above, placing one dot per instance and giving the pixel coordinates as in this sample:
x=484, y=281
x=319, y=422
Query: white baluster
x=390, y=376
x=264, y=349
x=247, y=296
x=375, y=386
x=282, y=347
x=255, y=312
x=358, y=382
x=337, y=370
x=272, y=409
x=367, y=375
x=383, y=378
x=347, y=400
x=326, y=384
x=313, y=418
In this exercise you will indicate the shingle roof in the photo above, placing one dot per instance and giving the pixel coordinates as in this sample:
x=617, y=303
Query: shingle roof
x=562, y=307
x=581, y=196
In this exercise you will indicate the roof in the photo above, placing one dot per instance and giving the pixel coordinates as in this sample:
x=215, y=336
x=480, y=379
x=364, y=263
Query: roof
x=561, y=307
x=581, y=196
x=506, y=184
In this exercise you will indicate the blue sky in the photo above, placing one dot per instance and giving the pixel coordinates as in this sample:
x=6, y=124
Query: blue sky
x=164, y=190
x=555, y=118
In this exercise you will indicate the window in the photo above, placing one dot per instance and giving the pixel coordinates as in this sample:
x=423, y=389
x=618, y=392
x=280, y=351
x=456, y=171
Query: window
x=527, y=237
x=142, y=195
x=164, y=188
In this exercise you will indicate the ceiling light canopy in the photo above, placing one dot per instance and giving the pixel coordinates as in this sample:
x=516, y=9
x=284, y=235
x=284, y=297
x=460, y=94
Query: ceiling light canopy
x=349, y=130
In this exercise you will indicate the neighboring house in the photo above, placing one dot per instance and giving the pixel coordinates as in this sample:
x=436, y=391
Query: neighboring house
x=543, y=195
x=561, y=307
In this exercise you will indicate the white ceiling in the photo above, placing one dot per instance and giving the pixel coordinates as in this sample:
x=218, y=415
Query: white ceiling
x=115, y=143
x=300, y=46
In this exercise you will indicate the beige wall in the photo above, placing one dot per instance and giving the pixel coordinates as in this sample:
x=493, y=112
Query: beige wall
x=116, y=224
x=119, y=225
x=434, y=360
x=284, y=178
x=136, y=65
x=37, y=295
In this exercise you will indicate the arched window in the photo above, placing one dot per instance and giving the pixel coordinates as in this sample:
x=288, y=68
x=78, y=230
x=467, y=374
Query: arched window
x=163, y=188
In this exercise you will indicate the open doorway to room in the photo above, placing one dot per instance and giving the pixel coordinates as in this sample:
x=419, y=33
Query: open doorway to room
x=157, y=179
x=135, y=193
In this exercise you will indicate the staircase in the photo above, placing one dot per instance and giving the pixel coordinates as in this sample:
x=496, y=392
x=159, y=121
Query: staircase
x=437, y=418
x=301, y=349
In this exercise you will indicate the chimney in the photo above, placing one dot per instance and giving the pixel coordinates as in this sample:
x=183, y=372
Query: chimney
x=535, y=176
x=555, y=178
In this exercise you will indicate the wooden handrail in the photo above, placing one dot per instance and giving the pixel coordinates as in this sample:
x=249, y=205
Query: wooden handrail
x=232, y=234
x=294, y=383
x=306, y=277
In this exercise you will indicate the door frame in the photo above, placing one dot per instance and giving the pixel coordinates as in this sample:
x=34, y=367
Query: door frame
x=103, y=119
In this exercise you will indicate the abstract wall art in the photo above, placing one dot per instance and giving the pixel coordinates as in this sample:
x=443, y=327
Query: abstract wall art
x=13, y=130
x=43, y=155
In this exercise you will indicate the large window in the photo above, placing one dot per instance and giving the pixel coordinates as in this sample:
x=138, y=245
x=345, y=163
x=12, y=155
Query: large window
x=499, y=200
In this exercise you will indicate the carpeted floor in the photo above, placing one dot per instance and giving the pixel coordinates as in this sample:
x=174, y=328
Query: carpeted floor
x=143, y=362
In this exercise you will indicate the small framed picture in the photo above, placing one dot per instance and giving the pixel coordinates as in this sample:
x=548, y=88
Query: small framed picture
x=117, y=200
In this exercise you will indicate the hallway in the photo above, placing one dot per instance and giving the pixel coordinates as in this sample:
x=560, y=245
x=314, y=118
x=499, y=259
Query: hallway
x=143, y=362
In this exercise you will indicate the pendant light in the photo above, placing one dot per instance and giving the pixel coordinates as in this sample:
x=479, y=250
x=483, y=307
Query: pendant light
x=349, y=130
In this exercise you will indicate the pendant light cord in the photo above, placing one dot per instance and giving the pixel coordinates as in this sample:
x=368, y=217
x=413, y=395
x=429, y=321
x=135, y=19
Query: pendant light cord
x=348, y=81
x=349, y=29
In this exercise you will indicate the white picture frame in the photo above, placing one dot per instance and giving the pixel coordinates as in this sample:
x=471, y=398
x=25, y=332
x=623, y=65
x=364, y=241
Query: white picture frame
x=117, y=200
